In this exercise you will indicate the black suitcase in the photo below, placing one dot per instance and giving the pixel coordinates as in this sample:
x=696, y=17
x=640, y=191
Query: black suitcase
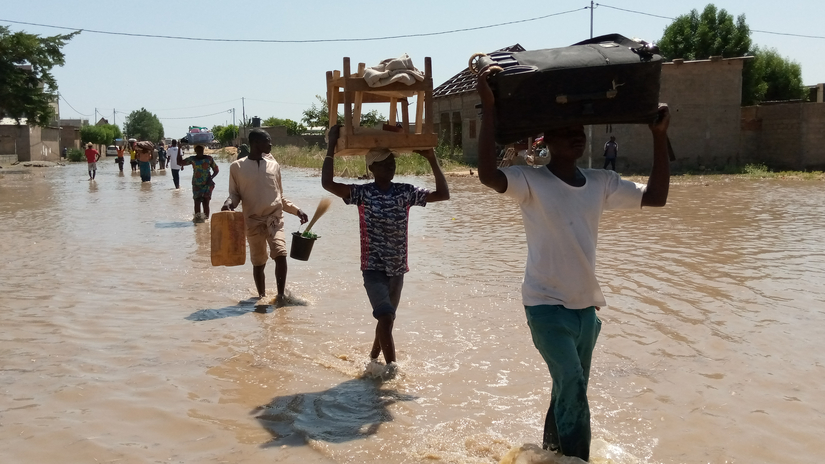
x=605, y=80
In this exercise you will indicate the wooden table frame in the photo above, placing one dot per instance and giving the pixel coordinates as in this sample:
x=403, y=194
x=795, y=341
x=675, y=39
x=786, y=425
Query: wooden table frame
x=352, y=91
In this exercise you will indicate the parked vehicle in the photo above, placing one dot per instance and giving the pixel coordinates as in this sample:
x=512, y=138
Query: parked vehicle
x=111, y=150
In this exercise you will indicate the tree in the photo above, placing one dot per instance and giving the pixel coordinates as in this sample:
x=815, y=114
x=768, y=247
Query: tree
x=782, y=77
x=714, y=33
x=372, y=118
x=27, y=87
x=143, y=125
x=225, y=134
x=292, y=127
x=100, y=135
x=317, y=116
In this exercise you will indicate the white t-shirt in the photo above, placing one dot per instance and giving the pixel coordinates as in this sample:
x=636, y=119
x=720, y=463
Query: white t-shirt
x=172, y=154
x=562, y=223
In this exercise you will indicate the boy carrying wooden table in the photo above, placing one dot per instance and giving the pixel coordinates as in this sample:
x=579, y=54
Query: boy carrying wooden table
x=383, y=207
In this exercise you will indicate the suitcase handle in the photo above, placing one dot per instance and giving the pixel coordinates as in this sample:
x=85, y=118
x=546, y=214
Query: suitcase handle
x=479, y=61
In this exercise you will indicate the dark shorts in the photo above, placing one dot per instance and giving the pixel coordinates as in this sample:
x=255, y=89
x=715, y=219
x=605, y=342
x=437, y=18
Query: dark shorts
x=383, y=291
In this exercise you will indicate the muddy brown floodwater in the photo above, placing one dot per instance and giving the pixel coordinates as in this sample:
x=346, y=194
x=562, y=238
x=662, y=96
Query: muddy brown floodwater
x=121, y=343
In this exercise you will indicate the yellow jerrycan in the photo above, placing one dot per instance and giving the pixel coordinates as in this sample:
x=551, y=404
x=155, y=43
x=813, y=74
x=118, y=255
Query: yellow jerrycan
x=228, y=238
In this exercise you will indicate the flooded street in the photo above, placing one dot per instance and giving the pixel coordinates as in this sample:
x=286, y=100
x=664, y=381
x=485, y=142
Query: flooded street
x=121, y=343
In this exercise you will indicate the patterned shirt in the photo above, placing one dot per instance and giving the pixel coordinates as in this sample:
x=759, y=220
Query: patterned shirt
x=384, y=219
x=201, y=175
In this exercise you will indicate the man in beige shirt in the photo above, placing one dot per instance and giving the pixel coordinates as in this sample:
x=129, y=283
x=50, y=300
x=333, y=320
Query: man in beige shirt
x=256, y=181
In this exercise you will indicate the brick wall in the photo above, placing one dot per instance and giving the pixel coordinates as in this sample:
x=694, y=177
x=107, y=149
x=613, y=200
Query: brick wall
x=704, y=99
x=464, y=104
x=785, y=136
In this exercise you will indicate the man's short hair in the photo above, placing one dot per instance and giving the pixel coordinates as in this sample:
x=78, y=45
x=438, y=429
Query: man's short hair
x=258, y=134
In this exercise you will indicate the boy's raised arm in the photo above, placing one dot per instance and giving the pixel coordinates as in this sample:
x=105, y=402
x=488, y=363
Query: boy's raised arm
x=442, y=191
x=658, y=183
x=328, y=171
x=488, y=172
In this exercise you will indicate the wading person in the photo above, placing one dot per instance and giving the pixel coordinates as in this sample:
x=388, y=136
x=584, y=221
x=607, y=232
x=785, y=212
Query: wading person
x=561, y=205
x=172, y=154
x=144, y=157
x=611, y=152
x=255, y=181
x=383, y=207
x=133, y=154
x=162, y=156
x=202, y=184
x=92, y=157
x=119, y=159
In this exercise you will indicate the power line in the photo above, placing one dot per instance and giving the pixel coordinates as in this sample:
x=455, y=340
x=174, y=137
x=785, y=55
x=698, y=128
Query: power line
x=271, y=101
x=752, y=30
x=72, y=107
x=203, y=115
x=362, y=39
x=634, y=11
x=199, y=106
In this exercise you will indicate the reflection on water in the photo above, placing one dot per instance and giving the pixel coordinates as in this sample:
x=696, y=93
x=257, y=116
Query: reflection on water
x=121, y=342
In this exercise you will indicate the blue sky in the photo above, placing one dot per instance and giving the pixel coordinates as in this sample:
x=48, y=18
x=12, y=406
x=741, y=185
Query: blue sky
x=198, y=83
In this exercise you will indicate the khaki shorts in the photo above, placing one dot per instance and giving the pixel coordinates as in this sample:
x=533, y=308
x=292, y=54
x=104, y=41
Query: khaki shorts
x=92, y=166
x=258, y=241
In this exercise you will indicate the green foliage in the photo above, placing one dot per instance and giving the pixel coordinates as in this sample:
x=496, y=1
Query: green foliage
x=446, y=151
x=100, y=135
x=28, y=93
x=698, y=37
x=782, y=78
x=767, y=76
x=756, y=169
x=143, y=125
x=317, y=115
x=73, y=154
x=372, y=118
x=292, y=127
x=225, y=134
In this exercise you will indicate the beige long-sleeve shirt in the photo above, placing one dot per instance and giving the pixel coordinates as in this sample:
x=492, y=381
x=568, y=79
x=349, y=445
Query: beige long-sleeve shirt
x=257, y=184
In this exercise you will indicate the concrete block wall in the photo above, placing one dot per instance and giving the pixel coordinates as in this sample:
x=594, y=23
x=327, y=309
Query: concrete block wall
x=813, y=136
x=704, y=98
x=465, y=104
x=786, y=136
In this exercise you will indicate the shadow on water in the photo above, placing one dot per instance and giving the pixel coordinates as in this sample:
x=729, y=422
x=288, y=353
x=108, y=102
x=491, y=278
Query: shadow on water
x=349, y=411
x=243, y=307
x=174, y=225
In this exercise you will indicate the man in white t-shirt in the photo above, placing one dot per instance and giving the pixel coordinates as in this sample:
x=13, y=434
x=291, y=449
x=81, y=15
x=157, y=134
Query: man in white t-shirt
x=172, y=156
x=561, y=205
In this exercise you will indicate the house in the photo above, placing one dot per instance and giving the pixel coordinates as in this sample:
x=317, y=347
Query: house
x=20, y=141
x=24, y=142
x=70, y=133
x=454, y=108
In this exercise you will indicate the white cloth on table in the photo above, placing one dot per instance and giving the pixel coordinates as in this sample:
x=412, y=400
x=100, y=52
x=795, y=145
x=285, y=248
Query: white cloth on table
x=391, y=70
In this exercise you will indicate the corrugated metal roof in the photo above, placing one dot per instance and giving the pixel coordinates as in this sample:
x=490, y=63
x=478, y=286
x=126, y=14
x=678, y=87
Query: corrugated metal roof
x=465, y=81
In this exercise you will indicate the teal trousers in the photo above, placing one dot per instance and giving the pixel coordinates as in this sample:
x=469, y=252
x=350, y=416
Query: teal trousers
x=566, y=338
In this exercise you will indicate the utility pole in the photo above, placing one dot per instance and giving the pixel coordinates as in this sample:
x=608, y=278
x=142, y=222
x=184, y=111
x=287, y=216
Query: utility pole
x=243, y=115
x=590, y=127
x=114, y=117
